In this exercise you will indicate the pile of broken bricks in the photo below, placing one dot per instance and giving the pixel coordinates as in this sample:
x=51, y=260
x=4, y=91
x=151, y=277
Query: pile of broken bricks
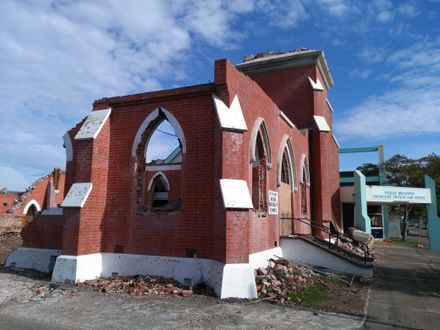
x=281, y=278
x=140, y=285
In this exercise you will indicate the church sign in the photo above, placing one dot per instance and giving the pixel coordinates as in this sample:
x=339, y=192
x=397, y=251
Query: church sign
x=397, y=195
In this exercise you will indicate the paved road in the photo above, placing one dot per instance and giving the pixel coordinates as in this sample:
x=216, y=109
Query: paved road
x=406, y=291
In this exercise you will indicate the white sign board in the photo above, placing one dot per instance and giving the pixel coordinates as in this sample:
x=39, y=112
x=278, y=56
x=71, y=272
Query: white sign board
x=397, y=195
x=273, y=202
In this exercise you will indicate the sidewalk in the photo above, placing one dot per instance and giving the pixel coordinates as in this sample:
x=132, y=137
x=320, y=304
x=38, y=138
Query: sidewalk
x=406, y=290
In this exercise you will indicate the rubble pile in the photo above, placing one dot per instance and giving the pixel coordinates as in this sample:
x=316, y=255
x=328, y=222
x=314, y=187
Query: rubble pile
x=278, y=281
x=355, y=248
x=140, y=285
x=51, y=290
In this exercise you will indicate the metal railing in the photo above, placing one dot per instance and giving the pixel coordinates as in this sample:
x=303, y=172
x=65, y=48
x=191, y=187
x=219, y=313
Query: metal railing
x=337, y=237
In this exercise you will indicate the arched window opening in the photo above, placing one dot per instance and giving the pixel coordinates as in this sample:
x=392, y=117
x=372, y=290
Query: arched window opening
x=31, y=212
x=159, y=192
x=305, y=182
x=285, y=169
x=159, y=145
x=304, y=193
x=285, y=191
x=259, y=174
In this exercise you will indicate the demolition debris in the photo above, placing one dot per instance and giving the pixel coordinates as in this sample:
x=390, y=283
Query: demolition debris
x=141, y=285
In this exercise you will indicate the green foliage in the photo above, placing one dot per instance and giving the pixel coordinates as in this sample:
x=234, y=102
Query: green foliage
x=313, y=294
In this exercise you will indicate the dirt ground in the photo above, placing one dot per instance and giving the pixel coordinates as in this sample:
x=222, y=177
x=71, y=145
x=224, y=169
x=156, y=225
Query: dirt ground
x=8, y=242
x=29, y=301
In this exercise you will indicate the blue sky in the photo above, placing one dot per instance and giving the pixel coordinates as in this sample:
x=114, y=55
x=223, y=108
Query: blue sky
x=56, y=57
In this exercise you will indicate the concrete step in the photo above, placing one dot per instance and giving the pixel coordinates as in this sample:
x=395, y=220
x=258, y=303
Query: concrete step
x=314, y=251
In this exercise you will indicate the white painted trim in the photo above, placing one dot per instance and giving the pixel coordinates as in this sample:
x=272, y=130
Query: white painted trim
x=30, y=258
x=169, y=167
x=68, y=146
x=329, y=105
x=29, y=204
x=261, y=259
x=286, y=119
x=304, y=167
x=152, y=116
x=228, y=280
x=164, y=178
x=336, y=141
x=235, y=194
x=321, y=123
x=260, y=127
x=286, y=144
x=316, y=86
x=93, y=124
x=53, y=211
x=230, y=117
x=303, y=252
x=77, y=195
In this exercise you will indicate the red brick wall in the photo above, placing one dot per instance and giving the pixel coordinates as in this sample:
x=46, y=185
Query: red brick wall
x=261, y=233
x=110, y=221
x=291, y=91
x=6, y=201
x=45, y=231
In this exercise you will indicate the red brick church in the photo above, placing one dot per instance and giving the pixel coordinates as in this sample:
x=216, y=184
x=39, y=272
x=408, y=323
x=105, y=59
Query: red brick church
x=255, y=146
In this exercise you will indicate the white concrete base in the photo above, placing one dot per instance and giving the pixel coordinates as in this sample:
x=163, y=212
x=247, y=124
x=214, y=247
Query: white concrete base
x=228, y=280
x=261, y=259
x=42, y=260
x=303, y=252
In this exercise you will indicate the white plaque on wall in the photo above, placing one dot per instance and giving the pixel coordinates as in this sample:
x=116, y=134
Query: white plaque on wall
x=273, y=202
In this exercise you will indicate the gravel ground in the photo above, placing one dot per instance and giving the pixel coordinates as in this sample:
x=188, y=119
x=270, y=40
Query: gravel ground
x=29, y=303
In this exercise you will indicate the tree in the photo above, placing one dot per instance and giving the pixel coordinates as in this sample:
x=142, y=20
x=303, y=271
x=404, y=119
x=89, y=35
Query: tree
x=406, y=172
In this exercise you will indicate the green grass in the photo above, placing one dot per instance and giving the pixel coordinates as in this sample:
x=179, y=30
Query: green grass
x=310, y=296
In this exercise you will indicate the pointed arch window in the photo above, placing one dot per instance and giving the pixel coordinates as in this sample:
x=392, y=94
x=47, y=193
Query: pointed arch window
x=261, y=160
x=159, y=189
x=304, y=183
x=159, y=186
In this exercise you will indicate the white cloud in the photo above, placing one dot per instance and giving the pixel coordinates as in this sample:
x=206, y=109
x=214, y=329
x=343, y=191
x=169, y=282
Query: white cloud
x=360, y=73
x=372, y=54
x=411, y=106
x=336, y=8
x=57, y=57
x=408, y=9
x=284, y=14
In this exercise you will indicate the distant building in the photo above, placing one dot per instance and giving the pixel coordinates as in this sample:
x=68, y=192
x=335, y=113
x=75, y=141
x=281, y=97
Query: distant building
x=21, y=202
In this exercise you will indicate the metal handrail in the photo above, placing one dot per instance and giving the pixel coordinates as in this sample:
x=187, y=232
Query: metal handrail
x=338, y=236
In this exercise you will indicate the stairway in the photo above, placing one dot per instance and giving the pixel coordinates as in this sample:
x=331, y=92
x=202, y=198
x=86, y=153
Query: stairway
x=307, y=249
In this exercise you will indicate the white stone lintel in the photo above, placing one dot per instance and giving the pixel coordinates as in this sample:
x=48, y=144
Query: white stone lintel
x=286, y=119
x=164, y=167
x=317, y=86
x=77, y=195
x=329, y=105
x=93, y=125
x=321, y=123
x=230, y=117
x=336, y=141
x=235, y=194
